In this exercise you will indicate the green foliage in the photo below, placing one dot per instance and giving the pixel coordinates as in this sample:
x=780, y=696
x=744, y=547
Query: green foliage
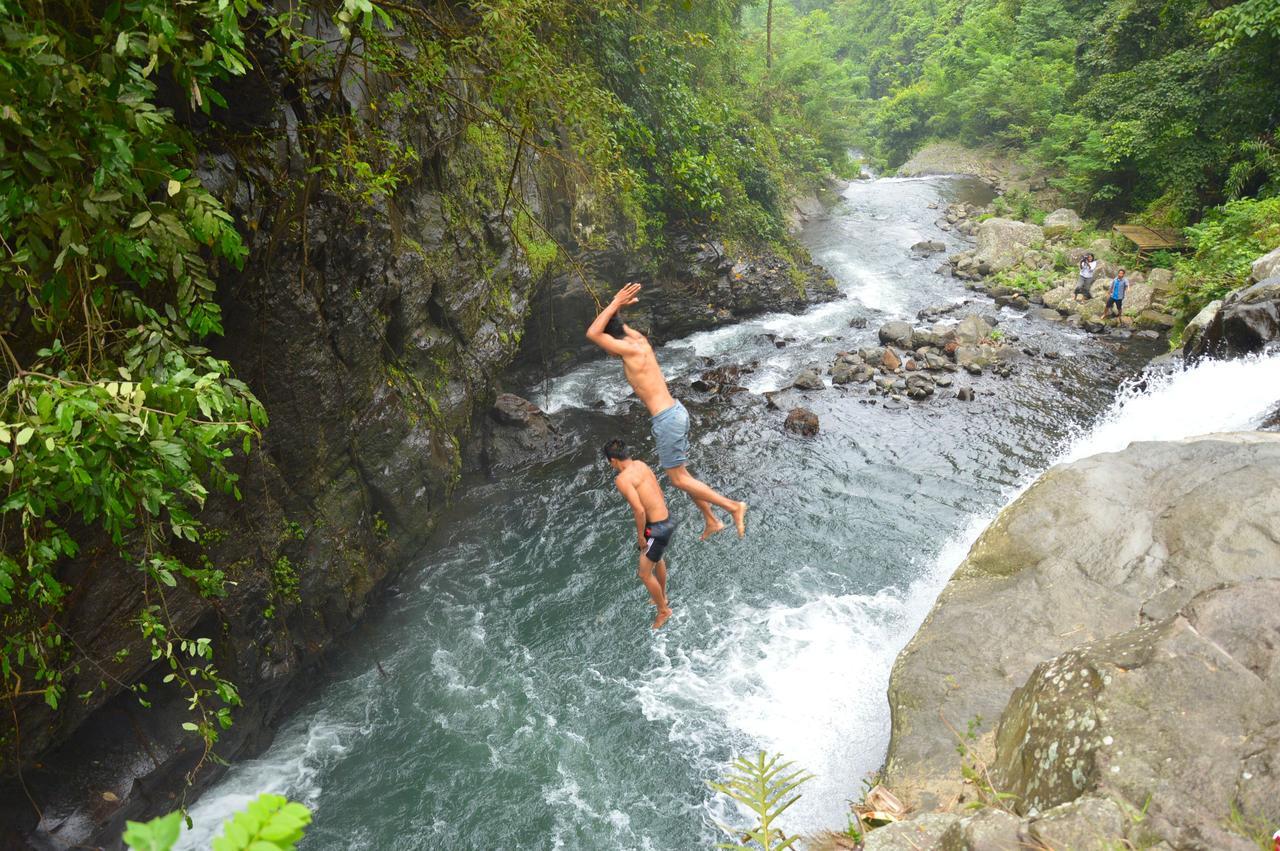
x=1225, y=244
x=114, y=420
x=1126, y=102
x=765, y=786
x=1252, y=827
x=269, y=823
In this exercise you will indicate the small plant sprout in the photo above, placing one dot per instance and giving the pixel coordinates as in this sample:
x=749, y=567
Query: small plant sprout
x=763, y=785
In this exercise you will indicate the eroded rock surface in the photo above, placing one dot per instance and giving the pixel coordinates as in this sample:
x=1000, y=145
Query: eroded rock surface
x=1129, y=604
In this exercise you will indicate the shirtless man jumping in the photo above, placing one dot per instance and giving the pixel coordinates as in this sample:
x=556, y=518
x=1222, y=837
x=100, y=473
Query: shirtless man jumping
x=670, y=420
x=654, y=525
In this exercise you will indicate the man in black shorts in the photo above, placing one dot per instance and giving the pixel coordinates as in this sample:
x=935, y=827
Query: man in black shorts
x=654, y=526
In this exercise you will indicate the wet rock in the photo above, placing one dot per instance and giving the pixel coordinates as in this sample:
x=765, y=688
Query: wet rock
x=1192, y=334
x=928, y=246
x=965, y=394
x=782, y=400
x=1045, y=313
x=890, y=360
x=973, y=329
x=858, y=322
x=919, y=387
x=808, y=379
x=943, y=381
x=1247, y=322
x=843, y=373
x=896, y=334
x=1061, y=222
x=802, y=421
x=518, y=434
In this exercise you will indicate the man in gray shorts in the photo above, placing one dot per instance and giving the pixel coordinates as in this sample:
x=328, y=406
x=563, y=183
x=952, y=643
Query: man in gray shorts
x=670, y=420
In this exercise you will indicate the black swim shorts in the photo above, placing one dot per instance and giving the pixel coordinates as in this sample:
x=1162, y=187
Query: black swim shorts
x=657, y=536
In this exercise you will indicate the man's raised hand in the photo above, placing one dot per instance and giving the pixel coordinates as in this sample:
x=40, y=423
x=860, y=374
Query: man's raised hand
x=627, y=295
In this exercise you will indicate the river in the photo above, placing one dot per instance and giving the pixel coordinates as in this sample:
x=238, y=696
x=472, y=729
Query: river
x=523, y=701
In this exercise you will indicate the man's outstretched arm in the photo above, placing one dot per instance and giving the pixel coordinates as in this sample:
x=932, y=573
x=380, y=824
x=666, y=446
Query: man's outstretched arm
x=637, y=508
x=595, y=331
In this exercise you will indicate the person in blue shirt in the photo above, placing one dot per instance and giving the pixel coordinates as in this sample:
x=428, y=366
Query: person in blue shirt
x=1119, y=287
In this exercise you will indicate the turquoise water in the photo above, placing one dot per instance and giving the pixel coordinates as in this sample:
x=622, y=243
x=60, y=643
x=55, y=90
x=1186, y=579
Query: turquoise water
x=527, y=704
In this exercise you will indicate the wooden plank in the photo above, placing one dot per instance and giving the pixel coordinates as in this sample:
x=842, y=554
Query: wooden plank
x=1148, y=238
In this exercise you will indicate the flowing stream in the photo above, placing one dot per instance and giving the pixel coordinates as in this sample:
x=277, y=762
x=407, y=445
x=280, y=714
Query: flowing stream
x=527, y=704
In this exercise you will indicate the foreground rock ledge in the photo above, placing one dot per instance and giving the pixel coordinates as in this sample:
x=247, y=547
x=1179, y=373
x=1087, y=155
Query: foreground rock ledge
x=1121, y=622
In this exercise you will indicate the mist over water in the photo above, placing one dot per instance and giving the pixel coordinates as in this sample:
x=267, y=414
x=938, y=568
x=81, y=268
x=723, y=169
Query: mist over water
x=527, y=704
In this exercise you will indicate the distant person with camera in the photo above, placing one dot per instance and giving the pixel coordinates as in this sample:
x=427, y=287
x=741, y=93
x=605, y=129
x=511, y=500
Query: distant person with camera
x=1088, y=268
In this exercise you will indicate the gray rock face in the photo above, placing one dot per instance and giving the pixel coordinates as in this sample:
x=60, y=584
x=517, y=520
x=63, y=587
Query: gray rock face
x=1180, y=716
x=1093, y=549
x=973, y=329
x=1001, y=243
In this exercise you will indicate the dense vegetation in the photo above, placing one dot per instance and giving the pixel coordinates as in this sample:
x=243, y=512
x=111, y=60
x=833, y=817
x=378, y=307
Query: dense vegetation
x=116, y=422
x=1169, y=107
x=1166, y=111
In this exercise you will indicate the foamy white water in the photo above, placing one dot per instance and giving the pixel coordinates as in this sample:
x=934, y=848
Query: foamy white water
x=810, y=682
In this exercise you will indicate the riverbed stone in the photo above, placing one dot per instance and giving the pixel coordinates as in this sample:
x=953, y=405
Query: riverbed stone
x=928, y=246
x=1167, y=518
x=890, y=359
x=896, y=334
x=1155, y=320
x=973, y=329
x=808, y=379
x=802, y=421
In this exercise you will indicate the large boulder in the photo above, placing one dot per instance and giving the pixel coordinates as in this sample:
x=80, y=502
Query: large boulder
x=1178, y=718
x=973, y=329
x=896, y=334
x=1247, y=322
x=1092, y=549
x=1194, y=330
x=1062, y=221
x=1266, y=266
x=1058, y=296
x=517, y=434
x=1001, y=243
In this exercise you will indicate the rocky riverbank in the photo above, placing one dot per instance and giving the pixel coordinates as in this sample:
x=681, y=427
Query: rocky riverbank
x=1104, y=662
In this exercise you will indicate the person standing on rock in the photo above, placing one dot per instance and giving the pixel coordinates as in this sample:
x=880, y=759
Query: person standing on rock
x=654, y=526
x=1118, y=288
x=670, y=420
x=1088, y=268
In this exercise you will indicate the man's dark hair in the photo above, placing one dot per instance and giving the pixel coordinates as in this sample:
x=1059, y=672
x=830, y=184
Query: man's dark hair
x=614, y=327
x=616, y=450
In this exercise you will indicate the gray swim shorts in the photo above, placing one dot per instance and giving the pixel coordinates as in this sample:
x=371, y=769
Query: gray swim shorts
x=671, y=433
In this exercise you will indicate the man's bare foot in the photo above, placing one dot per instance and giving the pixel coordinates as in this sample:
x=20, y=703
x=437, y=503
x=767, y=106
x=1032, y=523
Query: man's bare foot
x=663, y=614
x=712, y=526
x=740, y=518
